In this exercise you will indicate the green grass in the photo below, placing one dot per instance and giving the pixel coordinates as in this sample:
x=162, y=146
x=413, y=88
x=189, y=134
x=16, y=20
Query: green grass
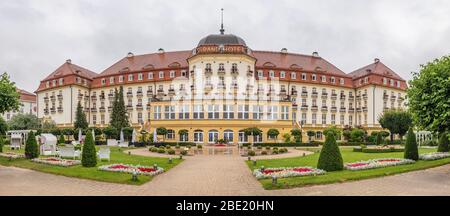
x=340, y=176
x=78, y=171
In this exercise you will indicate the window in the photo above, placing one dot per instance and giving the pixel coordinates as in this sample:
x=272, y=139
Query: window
x=111, y=80
x=198, y=136
x=319, y=135
x=228, y=136
x=47, y=84
x=293, y=75
x=169, y=112
x=228, y=112
x=284, y=112
x=341, y=81
x=94, y=119
x=184, y=137
x=303, y=76
x=161, y=74
x=221, y=67
x=272, y=112
x=260, y=74
x=150, y=75
x=184, y=112
x=172, y=74
x=324, y=119
x=271, y=74
x=333, y=80
x=313, y=77
x=242, y=138
x=398, y=84
x=384, y=81
x=61, y=81
x=303, y=119
x=198, y=112
x=333, y=119
x=121, y=78
x=282, y=74
x=366, y=79
x=314, y=118
x=140, y=121
x=213, y=111
x=54, y=82
x=391, y=82
x=324, y=79
x=243, y=111
x=257, y=139
x=130, y=77
x=342, y=119
x=102, y=119
x=140, y=76
x=170, y=134
x=258, y=112
x=157, y=112
x=350, y=120
x=103, y=82
x=213, y=136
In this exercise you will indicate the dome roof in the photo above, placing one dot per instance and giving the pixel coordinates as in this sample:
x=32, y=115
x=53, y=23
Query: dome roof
x=225, y=39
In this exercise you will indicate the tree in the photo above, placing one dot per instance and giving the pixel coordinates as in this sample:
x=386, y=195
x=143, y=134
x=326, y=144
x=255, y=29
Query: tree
x=161, y=131
x=379, y=139
x=273, y=133
x=310, y=134
x=183, y=133
x=119, y=115
x=357, y=135
x=428, y=96
x=111, y=133
x=397, y=122
x=47, y=124
x=3, y=126
x=31, y=147
x=411, y=151
x=80, y=118
x=297, y=134
x=330, y=158
x=9, y=97
x=287, y=138
x=2, y=143
x=62, y=140
x=89, y=154
x=443, y=143
x=347, y=134
x=336, y=131
x=24, y=122
x=252, y=131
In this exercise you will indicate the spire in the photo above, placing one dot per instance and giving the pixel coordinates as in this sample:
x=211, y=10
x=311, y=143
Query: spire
x=221, y=29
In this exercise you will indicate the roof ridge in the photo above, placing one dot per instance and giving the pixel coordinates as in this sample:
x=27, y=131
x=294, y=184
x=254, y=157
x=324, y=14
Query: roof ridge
x=288, y=53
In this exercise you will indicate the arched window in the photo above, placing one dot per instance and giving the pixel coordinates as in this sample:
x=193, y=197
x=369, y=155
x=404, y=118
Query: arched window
x=213, y=136
x=170, y=134
x=228, y=135
x=184, y=137
x=198, y=136
x=242, y=138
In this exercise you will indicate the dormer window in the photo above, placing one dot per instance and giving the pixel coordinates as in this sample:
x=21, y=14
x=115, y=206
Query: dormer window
x=150, y=75
x=47, y=84
x=161, y=74
x=103, y=81
x=61, y=81
x=313, y=77
x=333, y=80
x=282, y=74
x=293, y=75
x=391, y=82
x=260, y=74
x=271, y=74
x=140, y=76
x=398, y=84
x=54, y=83
x=130, y=77
x=303, y=76
x=384, y=81
x=121, y=78
x=111, y=80
x=324, y=79
x=341, y=80
x=172, y=74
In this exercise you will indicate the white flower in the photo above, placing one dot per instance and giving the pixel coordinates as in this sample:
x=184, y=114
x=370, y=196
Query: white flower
x=434, y=156
x=285, y=172
x=377, y=163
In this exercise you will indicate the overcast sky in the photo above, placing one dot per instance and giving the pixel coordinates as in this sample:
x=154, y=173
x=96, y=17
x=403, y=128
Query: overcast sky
x=38, y=36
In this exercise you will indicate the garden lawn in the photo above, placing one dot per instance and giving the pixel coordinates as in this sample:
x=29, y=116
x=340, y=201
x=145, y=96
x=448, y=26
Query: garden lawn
x=340, y=176
x=78, y=171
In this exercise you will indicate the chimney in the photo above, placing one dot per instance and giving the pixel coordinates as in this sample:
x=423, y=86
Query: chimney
x=284, y=50
x=69, y=61
x=315, y=54
x=376, y=60
x=160, y=50
x=130, y=55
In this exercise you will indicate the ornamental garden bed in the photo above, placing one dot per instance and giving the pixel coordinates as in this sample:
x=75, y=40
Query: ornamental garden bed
x=56, y=161
x=178, y=150
x=377, y=163
x=132, y=169
x=378, y=149
x=285, y=172
x=258, y=151
x=12, y=155
x=434, y=156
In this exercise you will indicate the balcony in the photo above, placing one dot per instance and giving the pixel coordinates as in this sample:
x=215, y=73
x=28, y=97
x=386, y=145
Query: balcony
x=314, y=108
x=294, y=92
x=260, y=91
x=249, y=87
x=250, y=73
x=111, y=96
x=53, y=110
x=314, y=94
x=221, y=71
x=333, y=96
x=171, y=92
x=208, y=87
x=351, y=97
x=53, y=98
x=234, y=71
x=93, y=97
x=148, y=106
x=364, y=96
x=365, y=109
x=358, y=97
x=94, y=109
x=342, y=110
x=80, y=95
x=385, y=109
x=102, y=109
x=234, y=86
x=60, y=109
x=304, y=94
x=351, y=109
x=86, y=110
x=385, y=96
x=110, y=108
x=139, y=107
x=304, y=107
x=161, y=93
x=271, y=92
x=102, y=97
x=46, y=111
x=46, y=98
x=324, y=95
x=324, y=109
x=60, y=97
x=393, y=97
x=333, y=109
x=401, y=98
x=129, y=107
x=283, y=93
x=342, y=97
x=86, y=97
x=149, y=93
x=208, y=71
x=139, y=93
x=129, y=94
x=358, y=109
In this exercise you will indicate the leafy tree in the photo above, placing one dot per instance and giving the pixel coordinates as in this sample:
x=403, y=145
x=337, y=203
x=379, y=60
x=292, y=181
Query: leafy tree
x=127, y=133
x=24, y=122
x=3, y=126
x=89, y=154
x=357, y=135
x=273, y=133
x=97, y=131
x=119, y=115
x=183, y=132
x=111, y=133
x=347, y=134
x=287, y=138
x=330, y=158
x=161, y=131
x=252, y=131
x=9, y=97
x=2, y=143
x=443, y=143
x=48, y=124
x=397, y=122
x=428, y=96
x=31, y=147
x=297, y=133
x=62, y=140
x=411, y=151
x=310, y=134
x=80, y=118
x=336, y=131
x=379, y=139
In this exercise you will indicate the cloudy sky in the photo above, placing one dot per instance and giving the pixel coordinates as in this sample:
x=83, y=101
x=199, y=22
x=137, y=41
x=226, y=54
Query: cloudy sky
x=37, y=36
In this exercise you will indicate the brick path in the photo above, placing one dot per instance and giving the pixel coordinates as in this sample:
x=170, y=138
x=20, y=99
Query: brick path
x=218, y=175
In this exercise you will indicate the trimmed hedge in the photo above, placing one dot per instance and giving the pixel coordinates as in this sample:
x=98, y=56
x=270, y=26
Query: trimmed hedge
x=355, y=143
x=174, y=144
x=312, y=144
x=368, y=150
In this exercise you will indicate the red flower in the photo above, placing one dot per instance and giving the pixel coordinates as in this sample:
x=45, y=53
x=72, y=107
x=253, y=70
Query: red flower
x=388, y=160
x=302, y=170
x=357, y=164
x=119, y=167
x=143, y=169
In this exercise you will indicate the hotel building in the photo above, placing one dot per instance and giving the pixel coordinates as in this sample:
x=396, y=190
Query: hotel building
x=221, y=87
x=27, y=105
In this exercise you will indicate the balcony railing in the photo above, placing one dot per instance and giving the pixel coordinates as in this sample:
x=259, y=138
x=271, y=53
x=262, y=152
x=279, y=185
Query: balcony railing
x=60, y=97
x=324, y=108
x=364, y=109
x=234, y=71
x=351, y=109
x=208, y=87
x=129, y=107
x=304, y=107
x=351, y=97
x=139, y=93
x=364, y=96
x=294, y=92
x=333, y=109
x=221, y=71
x=60, y=109
x=139, y=107
x=110, y=108
x=342, y=109
x=149, y=93
x=314, y=94
x=111, y=96
x=250, y=73
x=342, y=97
x=208, y=71
x=171, y=92
x=46, y=111
x=333, y=96
x=160, y=92
x=324, y=95
x=94, y=97
x=314, y=108
x=304, y=94
x=129, y=94
x=53, y=110
x=102, y=109
x=94, y=109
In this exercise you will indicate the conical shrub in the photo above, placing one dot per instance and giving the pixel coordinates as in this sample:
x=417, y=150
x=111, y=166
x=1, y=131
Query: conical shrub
x=330, y=158
x=443, y=143
x=2, y=143
x=31, y=147
x=89, y=154
x=411, y=150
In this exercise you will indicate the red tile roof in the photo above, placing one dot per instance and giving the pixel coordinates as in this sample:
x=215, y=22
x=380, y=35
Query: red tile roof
x=376, y=68
x=291, y=60
x=26, y=96
x=71, y=69
x=149, y=61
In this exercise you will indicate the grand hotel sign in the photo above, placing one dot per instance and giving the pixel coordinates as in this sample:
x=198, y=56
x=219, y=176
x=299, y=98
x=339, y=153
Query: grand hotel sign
x=229, y=49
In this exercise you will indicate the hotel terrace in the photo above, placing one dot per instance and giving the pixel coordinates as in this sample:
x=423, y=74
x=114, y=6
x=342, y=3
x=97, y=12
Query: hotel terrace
x=221, y=87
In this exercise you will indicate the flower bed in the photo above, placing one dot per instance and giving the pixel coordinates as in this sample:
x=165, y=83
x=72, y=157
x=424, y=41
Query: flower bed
x=377, y=163
x=434, y=156
x=138, y=169
x=12, y=155
x=57, y=161
x=284, y=172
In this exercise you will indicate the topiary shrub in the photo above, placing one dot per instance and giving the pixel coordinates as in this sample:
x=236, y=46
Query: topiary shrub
x=268, y=148
x=89, y=154
x=31, y=147
x=411, y=151
x=161, y=150
x=443, y=143
x=199, y=146
x=183, y=152
x=2, y=143
x=171, y=151
x=330, y=158
x=379, y=139
x=62, y=140
x=263, y=153
x=153, y=149
x=251, y=153
x=275, y=151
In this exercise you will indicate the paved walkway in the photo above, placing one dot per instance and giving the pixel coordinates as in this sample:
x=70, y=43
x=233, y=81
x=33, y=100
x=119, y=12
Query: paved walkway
x=218, y=175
